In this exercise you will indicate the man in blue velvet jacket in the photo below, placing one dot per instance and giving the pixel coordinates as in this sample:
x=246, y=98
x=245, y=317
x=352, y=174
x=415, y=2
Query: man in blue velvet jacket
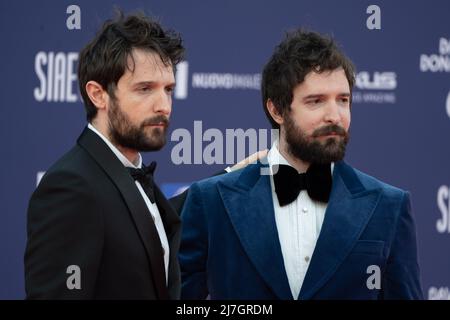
x=303, y=225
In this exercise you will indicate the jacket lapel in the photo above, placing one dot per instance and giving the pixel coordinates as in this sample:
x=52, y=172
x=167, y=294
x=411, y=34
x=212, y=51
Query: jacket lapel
x=250, y=208
x=106, y=159
x=349, y=209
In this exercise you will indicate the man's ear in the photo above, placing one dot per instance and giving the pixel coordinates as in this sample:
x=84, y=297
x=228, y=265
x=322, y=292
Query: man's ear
x=97, y=94
x=274, y=113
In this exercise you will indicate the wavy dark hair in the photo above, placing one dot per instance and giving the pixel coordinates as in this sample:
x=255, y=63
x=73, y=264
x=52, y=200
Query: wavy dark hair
x=298, y=54
x=105, y=58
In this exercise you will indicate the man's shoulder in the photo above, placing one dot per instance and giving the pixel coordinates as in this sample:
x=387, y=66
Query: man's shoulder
x=65, y=181
x=80, y=159
x=226, y=177
x=371, y=182
x=73, y=161
x=241, y=177
x=76, y=165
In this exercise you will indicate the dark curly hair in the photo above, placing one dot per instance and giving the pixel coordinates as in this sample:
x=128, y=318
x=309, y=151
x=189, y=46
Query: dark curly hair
x=104, y=59
x=298, y=54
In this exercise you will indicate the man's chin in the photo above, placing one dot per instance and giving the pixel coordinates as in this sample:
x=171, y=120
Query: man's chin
x=327, y=153
x=157, y=129
x=331, y=139
x=333, y=155
x=154, y=145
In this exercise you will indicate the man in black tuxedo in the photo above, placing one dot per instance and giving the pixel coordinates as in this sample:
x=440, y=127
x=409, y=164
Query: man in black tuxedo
x=98, y=228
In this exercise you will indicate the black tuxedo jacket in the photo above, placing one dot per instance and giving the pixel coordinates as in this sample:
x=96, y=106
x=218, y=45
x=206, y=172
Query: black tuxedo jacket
x=87, y=212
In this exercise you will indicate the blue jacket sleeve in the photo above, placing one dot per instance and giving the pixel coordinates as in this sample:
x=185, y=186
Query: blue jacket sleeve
x=402, y=277
x=193, y=252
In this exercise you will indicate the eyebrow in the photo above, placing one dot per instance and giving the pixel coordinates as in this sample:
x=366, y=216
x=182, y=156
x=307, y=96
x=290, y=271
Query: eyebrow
x=150, y=83
x=316, y=96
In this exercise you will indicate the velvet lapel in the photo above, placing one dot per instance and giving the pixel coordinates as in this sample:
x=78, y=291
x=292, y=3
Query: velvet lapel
x=349, y=209
x=250, y=208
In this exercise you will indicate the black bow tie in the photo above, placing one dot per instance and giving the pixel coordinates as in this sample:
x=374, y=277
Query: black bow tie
x=316, y=181
x=145, y=177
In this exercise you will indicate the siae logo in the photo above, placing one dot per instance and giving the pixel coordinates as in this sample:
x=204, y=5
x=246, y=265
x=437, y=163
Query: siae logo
x=443, y=202
x=56, y=73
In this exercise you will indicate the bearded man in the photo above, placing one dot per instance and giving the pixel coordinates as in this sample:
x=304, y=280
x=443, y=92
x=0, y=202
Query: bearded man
x=314, y=227
x=98, y=227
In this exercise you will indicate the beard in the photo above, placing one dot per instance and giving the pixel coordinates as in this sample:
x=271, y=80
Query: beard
x=126, y=134
x=312, y=149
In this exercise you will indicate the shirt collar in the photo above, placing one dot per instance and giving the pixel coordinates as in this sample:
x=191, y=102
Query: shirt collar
x=274, y=157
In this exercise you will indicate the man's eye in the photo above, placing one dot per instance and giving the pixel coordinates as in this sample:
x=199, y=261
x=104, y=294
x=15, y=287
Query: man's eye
x=170, y=89
x=315, y=101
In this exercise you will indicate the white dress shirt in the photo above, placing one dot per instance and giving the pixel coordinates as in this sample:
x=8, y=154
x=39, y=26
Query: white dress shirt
x=298, y=225
x=152, y=207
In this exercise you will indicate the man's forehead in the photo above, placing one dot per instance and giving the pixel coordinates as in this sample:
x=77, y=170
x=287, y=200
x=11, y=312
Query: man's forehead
x=146, y=65
x=145, y=56
x=327, y=80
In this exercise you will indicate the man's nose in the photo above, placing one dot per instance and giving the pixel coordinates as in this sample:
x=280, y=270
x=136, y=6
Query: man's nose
x=163, y=104
x=333, y=114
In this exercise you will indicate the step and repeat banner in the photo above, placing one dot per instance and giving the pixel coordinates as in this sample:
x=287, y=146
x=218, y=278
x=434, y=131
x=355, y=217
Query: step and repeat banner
x=400, y=129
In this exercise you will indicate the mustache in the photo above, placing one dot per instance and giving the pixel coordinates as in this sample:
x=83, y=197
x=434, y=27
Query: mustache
x=156, y=120
x=329, y=130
